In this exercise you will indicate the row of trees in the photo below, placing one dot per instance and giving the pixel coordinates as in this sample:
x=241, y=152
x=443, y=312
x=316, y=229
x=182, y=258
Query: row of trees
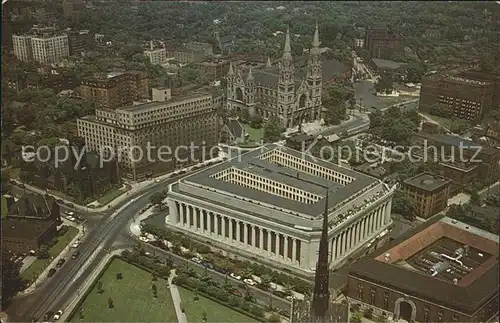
x=394, y=125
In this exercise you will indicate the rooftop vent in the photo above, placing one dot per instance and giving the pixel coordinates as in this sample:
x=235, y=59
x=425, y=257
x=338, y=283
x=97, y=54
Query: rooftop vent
x=387, y=257
x=455, y=281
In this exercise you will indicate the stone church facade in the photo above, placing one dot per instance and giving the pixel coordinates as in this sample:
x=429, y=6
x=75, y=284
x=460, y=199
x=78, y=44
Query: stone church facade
x=277, y=92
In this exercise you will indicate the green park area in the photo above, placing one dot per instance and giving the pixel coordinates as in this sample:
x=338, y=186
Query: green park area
x=39, y=265
x=4, y=207
x=131, y=296
x=195, y=306
x=254, y=135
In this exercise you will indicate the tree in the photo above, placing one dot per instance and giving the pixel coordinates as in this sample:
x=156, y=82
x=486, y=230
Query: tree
x=243, y=115
x=110, y=303
x=385, y=83
x=272, y=130
x=43, y=252
x=376, y=119
x=403, y=204
x=474, y=198
x=12, y=282
x=256, y=121
x=99, y=287
x=156, y=199
x=274, y=317
x=119, y=276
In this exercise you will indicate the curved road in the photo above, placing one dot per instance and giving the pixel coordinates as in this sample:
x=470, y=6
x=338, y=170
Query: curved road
x=57, y=291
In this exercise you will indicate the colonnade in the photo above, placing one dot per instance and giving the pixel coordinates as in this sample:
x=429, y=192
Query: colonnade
x=351, y=237
x=244, y=235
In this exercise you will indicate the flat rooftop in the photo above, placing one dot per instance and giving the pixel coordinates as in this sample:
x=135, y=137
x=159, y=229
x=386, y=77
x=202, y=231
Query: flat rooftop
x=245, y=177
x=154, y=104
x=443, y=260
x=428, y=181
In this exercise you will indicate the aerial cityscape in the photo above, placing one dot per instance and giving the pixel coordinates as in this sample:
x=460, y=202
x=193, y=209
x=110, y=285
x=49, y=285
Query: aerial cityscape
x=250, y=161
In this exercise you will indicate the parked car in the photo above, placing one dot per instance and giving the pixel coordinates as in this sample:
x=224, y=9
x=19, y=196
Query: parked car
x=60, y=201
x=75, y=254
x=76, y=244
x=196, y=260
x=235, y=276
x=60, y=262
x=52, y=272
x=48, y=316
x=71, y=205
x=57, y=316
x=144, y=239
x=249, y=281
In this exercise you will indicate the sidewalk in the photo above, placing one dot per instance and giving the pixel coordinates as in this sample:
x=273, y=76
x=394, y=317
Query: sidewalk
x=87, y=284
x=62, y=254
x=176, y=298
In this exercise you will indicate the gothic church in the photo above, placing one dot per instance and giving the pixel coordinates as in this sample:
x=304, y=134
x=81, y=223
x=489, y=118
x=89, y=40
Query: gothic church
x=278, y=92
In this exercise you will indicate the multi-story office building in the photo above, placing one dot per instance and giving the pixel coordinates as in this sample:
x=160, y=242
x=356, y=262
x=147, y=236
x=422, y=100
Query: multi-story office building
x=79, y=41
x=490, y=77
x=179, y=131
x=41, y=44
x=455, y=96
x=440, y=271
x=156, y=56
x=268, y=205
x=383, y=43
x=430, y=193
x=115, y=89
x=214, y=69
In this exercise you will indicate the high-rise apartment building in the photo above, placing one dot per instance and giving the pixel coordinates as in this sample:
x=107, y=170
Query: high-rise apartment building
x=155, y=137
x=115, y=89
x=43, y=45
x=156, y=56
x=455, y=96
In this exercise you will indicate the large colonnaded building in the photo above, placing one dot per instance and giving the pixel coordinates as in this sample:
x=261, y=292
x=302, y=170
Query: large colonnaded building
x=441, y=271
x=269, y=204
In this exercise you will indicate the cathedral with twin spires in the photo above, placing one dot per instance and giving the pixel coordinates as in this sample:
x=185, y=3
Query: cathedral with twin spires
x=278, y=91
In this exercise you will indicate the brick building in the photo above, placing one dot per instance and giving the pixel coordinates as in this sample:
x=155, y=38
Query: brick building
x=115, y=89
x=441, y=271
x=454, y=96
x=490, y=77
x=383, y=43
x=214, y=69
x=31, y=222
x=430, y=193
x=461, y=160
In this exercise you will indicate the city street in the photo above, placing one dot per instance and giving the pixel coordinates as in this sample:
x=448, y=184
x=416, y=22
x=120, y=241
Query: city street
x=57, y=291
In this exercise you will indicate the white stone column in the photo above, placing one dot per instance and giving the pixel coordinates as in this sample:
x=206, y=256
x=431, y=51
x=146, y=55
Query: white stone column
x=337, y=246
x=245, y=234
x=188, y=214
x=261, y=240
x=230, y=229
x=238, y=232
x=353, y=237
x=181, y=214
x=195, y=218
x=277, y=245
x=209, y=219
x=268, y=233
x=294, y=251
x=372, y=218
x=388, y=207
x=382, y=217
x=332, y=249
x=346, y=241
x=285, y=247
x=223, y=223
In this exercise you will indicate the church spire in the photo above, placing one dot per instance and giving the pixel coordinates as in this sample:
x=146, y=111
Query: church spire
x=231, y=71
x=321, y=295
x=269, y=64
x=250, y=75
x=316, y=41
x=287, y=51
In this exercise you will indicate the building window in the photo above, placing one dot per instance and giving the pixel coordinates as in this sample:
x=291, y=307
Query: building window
x=386, y=300
x=440, y=316
x=360, y=291
x=372, y=296
x=426, y=313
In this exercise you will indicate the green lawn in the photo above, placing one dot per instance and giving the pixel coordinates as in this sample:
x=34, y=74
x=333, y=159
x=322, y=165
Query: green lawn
x=111, y=195
x=215, y=311
x=39, y=265
x=254, y=135
x=132, y=298
x=4, y=207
